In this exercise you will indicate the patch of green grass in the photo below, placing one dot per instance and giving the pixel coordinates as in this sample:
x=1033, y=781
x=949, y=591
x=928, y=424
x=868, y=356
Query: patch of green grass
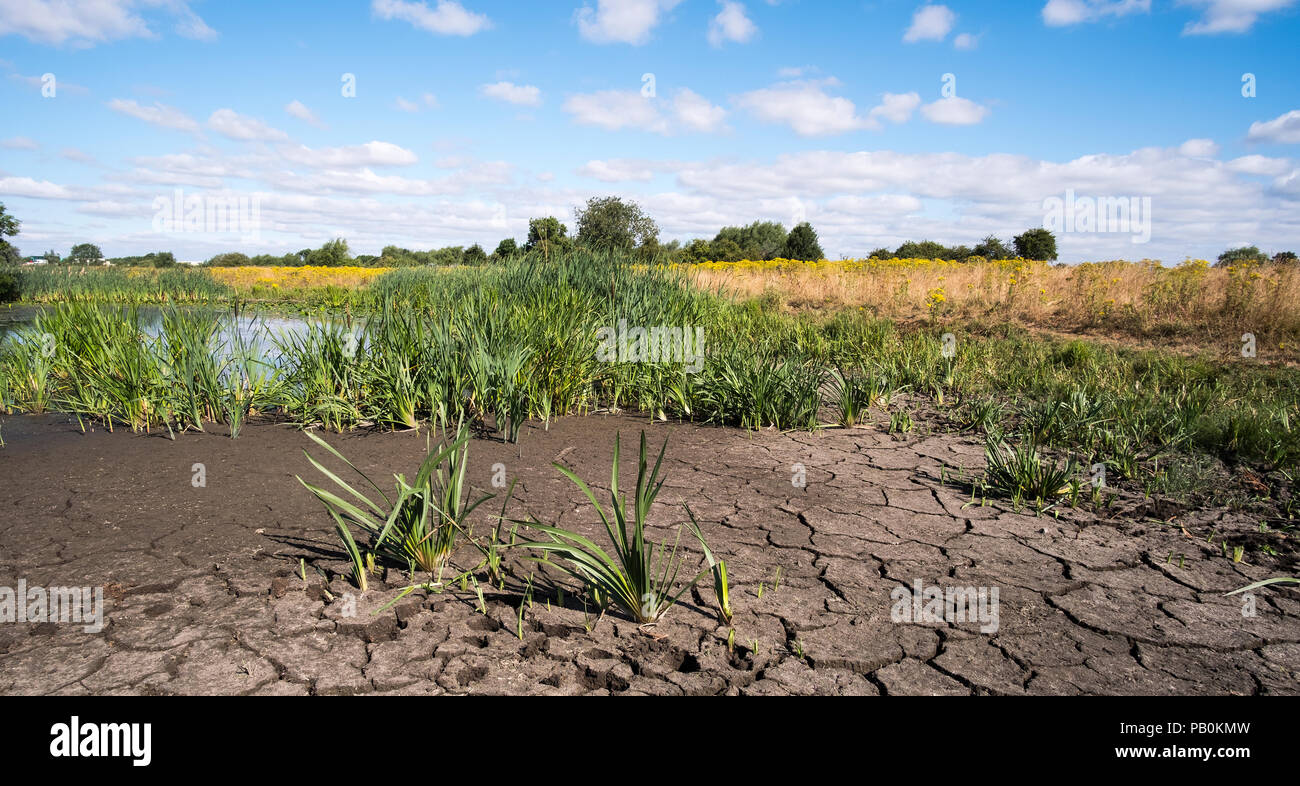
x=639, y=578
x=418, y=528
x=1021, y=473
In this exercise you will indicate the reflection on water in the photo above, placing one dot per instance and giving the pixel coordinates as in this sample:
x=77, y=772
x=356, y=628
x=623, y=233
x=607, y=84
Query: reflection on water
x=258, y=332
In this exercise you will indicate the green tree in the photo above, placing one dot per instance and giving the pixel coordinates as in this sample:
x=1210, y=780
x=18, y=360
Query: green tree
x=610, y=224
x=993, y=248
x=802, y=244
x=926, y=249
x=85, y=254
x=52, y=257
x=1036, y=244
x=881, y=253
x=395, y=256
x=1285, y=258
x=9, y=226
x=697, y=251
x=547, y=236
x=474, y=255
x=1234, y=256
x=761, y=240
x=726, y=250
x=229, y=259
x=334, y=253
x=506, y=249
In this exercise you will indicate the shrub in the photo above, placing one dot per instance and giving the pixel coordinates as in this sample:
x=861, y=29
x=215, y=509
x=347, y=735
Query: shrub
x=8, y=285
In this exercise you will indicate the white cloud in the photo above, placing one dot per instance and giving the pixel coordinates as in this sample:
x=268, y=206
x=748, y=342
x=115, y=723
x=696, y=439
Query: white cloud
x=856, y=200
x=930, y=23
x=159, y=114
x=519, y=95
x=806, y=108
x=80, y=156
x=810, y=111
x=427, y=101
x=696, y=113
x=35, y=189
x=448, y=17
x=369, y=154
x=954, y=111
x=233, y=125
x=1260, y=165
x=1199, y=148
x=618, y=109
x=190, y=25
x=87, y=22
x=1060, y=13
x=731, y=24
x=1284, y=129
x=619, y=170
x=897, y=108
x=1003, y=194
x=19, y=143
x=299, y=110
x=796, y=72
x=965, y=42
x=1231, y=16
x=37, y=83
x=621, y=21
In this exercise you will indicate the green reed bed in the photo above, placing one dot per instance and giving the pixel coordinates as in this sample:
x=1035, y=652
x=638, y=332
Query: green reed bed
x=71, y=284
x=99, y=363
x=505, y=344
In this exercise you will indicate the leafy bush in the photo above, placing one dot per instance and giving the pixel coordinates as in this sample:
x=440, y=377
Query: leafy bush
x=8, y=285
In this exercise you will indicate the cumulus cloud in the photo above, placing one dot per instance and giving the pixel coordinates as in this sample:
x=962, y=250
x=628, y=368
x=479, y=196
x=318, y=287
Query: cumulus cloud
x=233, y=125
x=84, y=23
x=299, y=110
x=614, y=110
x=731, y=24
x=809, y=110
x=930, y=23
x=35, y=189
x=447, y=17
x=158, y=115
x=369, y=154
x=519, y=95
x=696, y=113
x=19, y=143
x=1284, y=129
x=620, y=170
x=897, y=108
x=1231, y=16
x=1199, y=148
x=1061, y=13
x=857, y=200
x=955, y=111
x=622, y=21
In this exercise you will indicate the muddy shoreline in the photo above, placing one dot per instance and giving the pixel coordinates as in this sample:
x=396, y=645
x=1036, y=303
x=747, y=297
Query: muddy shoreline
x=204, y=593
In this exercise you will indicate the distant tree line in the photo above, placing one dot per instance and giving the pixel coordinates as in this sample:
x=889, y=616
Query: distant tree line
x=608, y=225
x=1252, y=255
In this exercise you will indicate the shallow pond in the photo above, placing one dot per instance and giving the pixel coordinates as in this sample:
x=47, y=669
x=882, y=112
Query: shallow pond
x=256, y=330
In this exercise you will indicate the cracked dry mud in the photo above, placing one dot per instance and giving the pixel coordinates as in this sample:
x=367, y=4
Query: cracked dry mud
x=203, y=594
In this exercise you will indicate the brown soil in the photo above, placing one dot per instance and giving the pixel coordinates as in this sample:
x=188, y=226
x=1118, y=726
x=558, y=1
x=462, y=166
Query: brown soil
x=203, y=593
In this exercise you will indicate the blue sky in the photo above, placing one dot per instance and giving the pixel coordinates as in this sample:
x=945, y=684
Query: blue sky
x=471, y=117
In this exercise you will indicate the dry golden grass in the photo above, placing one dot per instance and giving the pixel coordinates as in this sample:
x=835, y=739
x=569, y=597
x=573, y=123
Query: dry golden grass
x=1192, y=301
x=245, y=279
